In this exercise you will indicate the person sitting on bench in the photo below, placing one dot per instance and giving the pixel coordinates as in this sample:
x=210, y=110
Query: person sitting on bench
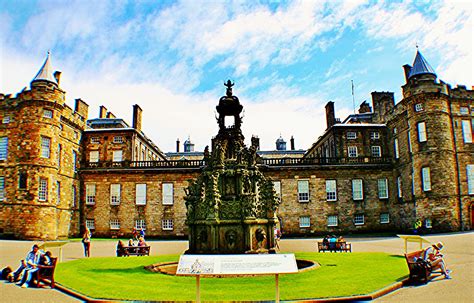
x=435, y=258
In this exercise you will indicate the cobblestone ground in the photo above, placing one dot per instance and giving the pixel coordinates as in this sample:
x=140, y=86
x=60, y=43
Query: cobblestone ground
x=458, y=251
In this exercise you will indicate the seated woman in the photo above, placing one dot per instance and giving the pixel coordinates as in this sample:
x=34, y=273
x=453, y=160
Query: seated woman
x=435, y=258
x=141, y=243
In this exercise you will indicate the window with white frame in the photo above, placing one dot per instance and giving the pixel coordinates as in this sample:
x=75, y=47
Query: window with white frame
x=426, y=178
x=359, y=219
x=376, y=151
x=395, y=131
x=6, y=120
x=45, y=147
x=374, y=135
x=3, y=148
x=74, y=161
x=168, y=193
x=115, y=194
x=43, y=189
x=114, y=224
x=470, y=179
x=332, y=220
x=418, y=107
x=2, y=188
x=74, y=196
x=167, y=224
x=305, y=222
x=94, y=156
x=384, y=218
x=399, y=187
x=59, y=155
x=277, y=188
x=90, y=224
x=139, y=224
x=118, y=139
x=383, y=188
x=140, y=194
x=90, y=194
x=95, y=140
x=352, y=151
x=303, y=190
x=464, y=110
x=428, y=223
x=117, y=156
x=351, y=135
x=421, y=131
x=357, y=189
x=467, y=131
x=331, y=190
x=47, y=113
x=58, y=192
x=395, y=148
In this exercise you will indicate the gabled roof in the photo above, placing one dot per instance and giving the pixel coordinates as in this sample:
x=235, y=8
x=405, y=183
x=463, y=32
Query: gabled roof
x=421, y=66
x=46, y=72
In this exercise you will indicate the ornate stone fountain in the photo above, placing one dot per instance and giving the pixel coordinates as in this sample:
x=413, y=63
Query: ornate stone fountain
x=231, y=205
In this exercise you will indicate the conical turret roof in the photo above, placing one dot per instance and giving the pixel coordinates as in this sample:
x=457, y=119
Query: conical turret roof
x=421, y=66
x=46, y=72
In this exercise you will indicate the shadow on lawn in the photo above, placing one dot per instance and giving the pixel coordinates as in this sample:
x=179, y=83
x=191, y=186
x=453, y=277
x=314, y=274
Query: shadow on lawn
x=128, y=270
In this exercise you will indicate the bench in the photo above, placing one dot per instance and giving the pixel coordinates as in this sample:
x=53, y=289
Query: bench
x=339, y=247
x=137, y=250
x=45, y=273
x=420, y=270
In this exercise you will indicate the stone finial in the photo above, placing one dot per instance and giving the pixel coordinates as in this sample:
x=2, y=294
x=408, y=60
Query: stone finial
x=229, y=85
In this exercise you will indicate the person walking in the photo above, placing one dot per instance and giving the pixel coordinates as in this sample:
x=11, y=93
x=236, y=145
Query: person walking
x=86, y=242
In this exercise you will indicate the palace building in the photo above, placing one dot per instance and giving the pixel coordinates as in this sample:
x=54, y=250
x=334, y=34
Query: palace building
x=381, y=169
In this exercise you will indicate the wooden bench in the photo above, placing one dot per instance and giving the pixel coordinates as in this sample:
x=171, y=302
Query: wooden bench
x=137, y=250
x=339, y=247
x=45, y=273
x=420, y=270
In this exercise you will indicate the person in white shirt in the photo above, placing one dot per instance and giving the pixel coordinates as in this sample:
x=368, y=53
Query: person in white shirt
x=433, y=256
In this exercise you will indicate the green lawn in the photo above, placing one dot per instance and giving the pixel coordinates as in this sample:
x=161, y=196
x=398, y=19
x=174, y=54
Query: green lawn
x=340, y=274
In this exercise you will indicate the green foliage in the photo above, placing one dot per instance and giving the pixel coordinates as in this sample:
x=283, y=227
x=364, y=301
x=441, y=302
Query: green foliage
x=340, y=274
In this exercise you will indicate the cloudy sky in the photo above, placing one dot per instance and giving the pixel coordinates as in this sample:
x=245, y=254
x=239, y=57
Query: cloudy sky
x=287, y=59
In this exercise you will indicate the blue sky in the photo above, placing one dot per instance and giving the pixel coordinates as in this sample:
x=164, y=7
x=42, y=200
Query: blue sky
x=288, y=59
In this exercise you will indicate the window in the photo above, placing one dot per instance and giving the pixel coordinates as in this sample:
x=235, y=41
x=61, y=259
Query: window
x=90, y=194
x=95, y=140
x=45, y=147
x=305, y=222
x=140, y=194
x=351, y=135
x=428, y=223
x=74, y=161
x=114, y=224
x=357, y=189
x=359, y=219
x=374, y=135
x=3, y=148
x=117, y=156
x=421, y=132
x=2, y=188
x=303, y=190
x=115, y=194
x=277, y=188
x=139, y=224
x=59, y=155
x=464, y=110
x=395, y=148
x=47, y=113
x=467, y=131
x=6, y=120
x=376, y=151
x=399, y=187
x=332, y=220
x=43, y=189
x=94, y=156
x=76, y=135
x=395, y=131
x=118, y=139
x=418, y=107
x=58, y=191
x=383, y=188
x=470, y=179
x=426, y=178
x=22, y=180
x=352, y=151
x=384, y=218
x=74, y=196
x=331, y=190
x=167, y=224
x=167, y=193
x=90, y=223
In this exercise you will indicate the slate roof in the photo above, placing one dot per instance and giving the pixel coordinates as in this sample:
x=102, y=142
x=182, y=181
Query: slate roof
x=46, y=72
x=421, y=66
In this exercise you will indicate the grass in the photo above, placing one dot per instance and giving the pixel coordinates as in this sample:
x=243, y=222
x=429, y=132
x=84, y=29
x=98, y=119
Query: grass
x=125, y=279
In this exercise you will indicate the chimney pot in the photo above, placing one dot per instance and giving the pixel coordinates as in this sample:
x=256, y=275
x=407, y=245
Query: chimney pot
x=57, y=76
x=137, y=117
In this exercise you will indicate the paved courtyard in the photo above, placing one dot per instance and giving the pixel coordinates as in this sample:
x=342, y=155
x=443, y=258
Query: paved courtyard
x=459, y=255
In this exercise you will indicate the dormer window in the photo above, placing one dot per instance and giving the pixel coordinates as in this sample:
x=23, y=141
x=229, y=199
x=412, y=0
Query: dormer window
x=418, y=107
x=6, y=120
x=47, y=113
x=118, y=139
x=351, y=135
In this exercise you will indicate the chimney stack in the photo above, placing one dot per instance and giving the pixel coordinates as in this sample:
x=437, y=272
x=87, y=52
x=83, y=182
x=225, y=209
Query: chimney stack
x=82, y=108
x=137, y=117
x=110, y=115
x=57, y=76
x=330, y=115
x=292, y=143
x=407, y=69
x=102, y=112
x=177, y=145
x=255, y=141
